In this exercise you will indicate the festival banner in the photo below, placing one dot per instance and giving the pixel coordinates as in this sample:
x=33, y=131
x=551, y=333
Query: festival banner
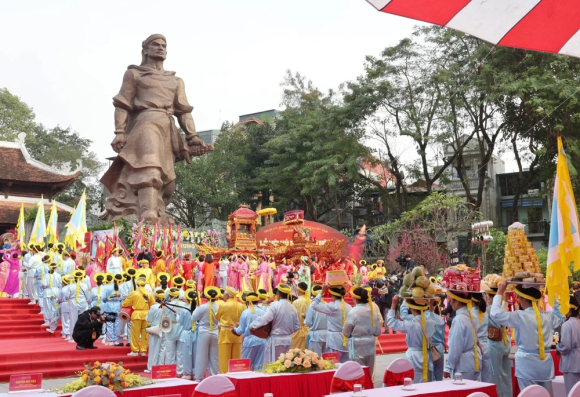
x=164, y=371
x=239, y=365
x=333, y=358
x=25, y=382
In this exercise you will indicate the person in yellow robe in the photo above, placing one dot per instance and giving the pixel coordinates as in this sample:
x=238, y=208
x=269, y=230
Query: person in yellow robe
x=160, y=263
x=147, y=272
x=301, y=305
x=140, y=300
x=228, y=314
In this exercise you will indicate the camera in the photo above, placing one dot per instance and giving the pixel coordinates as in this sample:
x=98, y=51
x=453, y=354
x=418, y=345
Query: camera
x=401, y=260
x=109, y=317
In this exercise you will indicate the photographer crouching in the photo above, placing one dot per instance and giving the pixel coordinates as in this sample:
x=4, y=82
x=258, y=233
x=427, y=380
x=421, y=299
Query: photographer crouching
x=88, y=328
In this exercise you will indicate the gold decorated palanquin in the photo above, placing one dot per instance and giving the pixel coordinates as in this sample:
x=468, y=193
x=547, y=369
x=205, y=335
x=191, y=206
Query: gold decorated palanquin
x=241, y=229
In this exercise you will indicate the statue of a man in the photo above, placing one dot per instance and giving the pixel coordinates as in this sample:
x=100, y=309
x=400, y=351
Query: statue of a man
x=142, y=177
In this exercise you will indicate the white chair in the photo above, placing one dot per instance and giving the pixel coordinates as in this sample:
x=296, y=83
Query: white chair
x=575, y=392
x=217, y=385
x=397, y=371
x=94, y=391
x=534, y=391
x=558, y=387
x=348, y=374
x=478, y=394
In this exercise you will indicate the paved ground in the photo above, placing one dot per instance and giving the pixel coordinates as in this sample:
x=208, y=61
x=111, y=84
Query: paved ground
x=382, y=362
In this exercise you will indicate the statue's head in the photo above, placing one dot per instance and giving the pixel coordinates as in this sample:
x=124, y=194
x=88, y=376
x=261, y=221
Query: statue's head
x=155, y=46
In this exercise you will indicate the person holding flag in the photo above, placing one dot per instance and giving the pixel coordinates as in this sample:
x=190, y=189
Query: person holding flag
x=52, y=227
x=564, y=242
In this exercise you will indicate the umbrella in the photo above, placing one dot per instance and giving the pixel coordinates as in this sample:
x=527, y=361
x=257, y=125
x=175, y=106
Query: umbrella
x=539, y=25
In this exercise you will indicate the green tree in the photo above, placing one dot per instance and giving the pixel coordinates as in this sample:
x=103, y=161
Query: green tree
x=59, y=148
x=316, y=153
x=15, y=116
x=210, y=187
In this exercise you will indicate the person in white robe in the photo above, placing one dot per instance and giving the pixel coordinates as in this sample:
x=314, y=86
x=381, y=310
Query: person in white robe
x=154, y=319
x=68, y=265
x=336, y=313
x=207, y=356
x=499, y=343
x=318, y=328
x=188, y=338
x=285, y=322
x=51, y=288
x=77, y=296
x=419, y=328
x=65, y=304
x=112, y=300
x=172, y=348
x=114, y=264
x=533, y=361
x=569, y=346
x=362, y=327
x=464, y=355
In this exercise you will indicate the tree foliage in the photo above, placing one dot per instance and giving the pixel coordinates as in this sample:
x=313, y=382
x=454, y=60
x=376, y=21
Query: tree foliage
x=57, y=147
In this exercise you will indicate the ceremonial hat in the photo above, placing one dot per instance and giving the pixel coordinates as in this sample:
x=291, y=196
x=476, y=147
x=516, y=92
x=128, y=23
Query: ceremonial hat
x=79, y=274
x=174, y=292
x=141, y=282
x=102, y=276
x=178, y=281
x=163, y=275
x=159, y=293
x=211, y=293
x=116, y=249
x=46, y=259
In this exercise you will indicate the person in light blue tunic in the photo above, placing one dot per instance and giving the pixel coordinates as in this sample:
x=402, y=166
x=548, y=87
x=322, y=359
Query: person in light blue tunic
x=172, y=349
x=534, y=329
x=362, y=327
x=188, y=338
x=418, y=329
x=336, y=313
x=206, y=355
x=252, y=346
x=464, y=353
x=284, y=319
x=569, y=347
x=499, y=344
x=51, y=288
x=480, y=316
x=97, y=293
x=438, y=339
x=318, y=328
x=154, y=354
x=112, y=304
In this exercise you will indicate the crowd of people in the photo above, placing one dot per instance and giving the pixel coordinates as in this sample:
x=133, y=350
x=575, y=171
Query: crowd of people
x=213, y=311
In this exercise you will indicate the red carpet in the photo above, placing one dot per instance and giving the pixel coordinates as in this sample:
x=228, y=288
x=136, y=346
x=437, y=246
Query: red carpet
x=26, y=347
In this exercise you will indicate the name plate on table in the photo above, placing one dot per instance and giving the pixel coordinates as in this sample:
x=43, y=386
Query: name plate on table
x=239, y=365
x=164, y=372
x=336, y=278
x=333, y=358
x=25, y=382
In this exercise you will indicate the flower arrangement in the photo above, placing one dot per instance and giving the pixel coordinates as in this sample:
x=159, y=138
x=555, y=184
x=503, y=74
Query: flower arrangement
x=298, y=361
x=209, y=237
x=110, y=375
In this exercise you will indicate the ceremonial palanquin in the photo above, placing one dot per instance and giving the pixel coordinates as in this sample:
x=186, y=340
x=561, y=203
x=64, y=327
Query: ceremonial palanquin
x=241, y=238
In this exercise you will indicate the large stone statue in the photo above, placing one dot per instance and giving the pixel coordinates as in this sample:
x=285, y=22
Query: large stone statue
x=142, y=177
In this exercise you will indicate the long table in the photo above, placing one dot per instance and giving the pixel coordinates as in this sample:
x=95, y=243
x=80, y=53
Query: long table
x=436, y=389
x=248, y=384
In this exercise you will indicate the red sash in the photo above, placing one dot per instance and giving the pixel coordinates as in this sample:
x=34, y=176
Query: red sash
x=341, y=385
x=396, y=379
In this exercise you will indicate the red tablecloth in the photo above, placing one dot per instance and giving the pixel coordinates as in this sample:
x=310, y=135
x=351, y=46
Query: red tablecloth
x=316, y=384
x=432, y=389
x=516, y=388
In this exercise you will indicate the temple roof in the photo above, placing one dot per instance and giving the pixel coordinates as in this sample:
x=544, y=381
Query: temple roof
x=17, y=166
x=243, y=212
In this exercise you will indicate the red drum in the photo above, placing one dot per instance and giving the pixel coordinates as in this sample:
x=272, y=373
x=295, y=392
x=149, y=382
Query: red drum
x=125, y=314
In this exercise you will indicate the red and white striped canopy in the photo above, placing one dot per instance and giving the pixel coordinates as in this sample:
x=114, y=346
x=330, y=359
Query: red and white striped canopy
x=540, y=25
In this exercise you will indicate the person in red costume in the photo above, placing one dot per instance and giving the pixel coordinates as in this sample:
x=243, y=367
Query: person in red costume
x=188, y=266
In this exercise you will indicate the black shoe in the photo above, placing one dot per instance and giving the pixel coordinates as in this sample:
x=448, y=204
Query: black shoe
x=119, y=344
x=92, y=347
x=81, y=348
x=128, y=344
x=386, y=332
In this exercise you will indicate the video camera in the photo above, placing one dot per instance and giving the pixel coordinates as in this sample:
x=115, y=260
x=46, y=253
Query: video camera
x=110, y=317
x=401, y=260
